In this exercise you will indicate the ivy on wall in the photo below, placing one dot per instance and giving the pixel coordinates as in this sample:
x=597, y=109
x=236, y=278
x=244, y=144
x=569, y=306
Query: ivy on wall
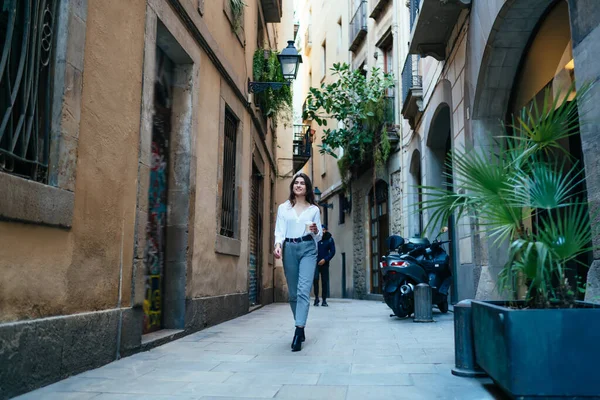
x=276, y=104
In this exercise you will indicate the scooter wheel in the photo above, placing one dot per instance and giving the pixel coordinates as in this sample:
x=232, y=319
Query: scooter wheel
x=443, y=307
x=399, y=309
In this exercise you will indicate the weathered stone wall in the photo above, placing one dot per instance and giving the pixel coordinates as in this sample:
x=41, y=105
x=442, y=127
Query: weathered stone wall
x=396, y=225
x=359, y=252
x=585, y=31
x=70, y=298
x=49, y=271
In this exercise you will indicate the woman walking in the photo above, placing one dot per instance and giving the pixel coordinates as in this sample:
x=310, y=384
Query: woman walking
x=297, y=232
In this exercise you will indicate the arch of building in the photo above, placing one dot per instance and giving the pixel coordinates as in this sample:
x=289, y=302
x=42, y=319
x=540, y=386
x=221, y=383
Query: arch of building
x=415, y=225
x=436, y=127
x=500, y=58
x=497, y=53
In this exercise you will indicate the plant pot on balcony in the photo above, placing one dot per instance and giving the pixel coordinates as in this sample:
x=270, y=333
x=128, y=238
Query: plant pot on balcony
x=539, y=353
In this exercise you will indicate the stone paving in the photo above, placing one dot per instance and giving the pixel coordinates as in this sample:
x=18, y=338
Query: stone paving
x=353, y=350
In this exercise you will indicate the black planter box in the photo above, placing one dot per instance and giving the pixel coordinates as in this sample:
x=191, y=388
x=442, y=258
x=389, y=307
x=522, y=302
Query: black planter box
x=550, y=353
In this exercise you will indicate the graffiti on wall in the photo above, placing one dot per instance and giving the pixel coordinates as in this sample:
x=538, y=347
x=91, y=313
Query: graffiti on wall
x=155, y=253
x=157, y=220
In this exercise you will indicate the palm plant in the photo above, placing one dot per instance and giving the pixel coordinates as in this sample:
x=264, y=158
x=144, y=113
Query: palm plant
x=529, y=176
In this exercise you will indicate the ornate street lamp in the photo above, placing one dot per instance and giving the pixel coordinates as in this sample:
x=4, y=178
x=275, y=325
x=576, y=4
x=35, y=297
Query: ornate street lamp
x=318, y=193
x=290, y=60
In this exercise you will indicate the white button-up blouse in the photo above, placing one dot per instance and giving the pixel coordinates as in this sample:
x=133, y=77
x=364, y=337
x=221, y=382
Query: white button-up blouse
x=291, y=225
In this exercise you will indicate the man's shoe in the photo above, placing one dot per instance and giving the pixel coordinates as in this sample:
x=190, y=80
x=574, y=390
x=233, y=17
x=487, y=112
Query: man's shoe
x=325, y=304
x=316, y=302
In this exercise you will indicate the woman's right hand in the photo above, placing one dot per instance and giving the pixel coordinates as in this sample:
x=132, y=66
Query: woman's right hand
x=277, y=252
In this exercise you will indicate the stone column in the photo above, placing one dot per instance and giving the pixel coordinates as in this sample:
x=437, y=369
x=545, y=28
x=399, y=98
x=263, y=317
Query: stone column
x=585, y=32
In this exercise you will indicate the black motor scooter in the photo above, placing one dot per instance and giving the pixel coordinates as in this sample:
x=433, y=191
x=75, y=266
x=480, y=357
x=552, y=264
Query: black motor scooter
x=411, y=262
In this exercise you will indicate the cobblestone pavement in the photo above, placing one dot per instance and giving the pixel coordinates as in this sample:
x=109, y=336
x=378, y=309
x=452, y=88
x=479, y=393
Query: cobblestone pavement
x=353, y=350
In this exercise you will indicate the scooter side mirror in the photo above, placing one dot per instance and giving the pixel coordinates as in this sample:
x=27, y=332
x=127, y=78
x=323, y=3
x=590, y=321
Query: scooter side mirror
x=442, y=231
x=394, y=241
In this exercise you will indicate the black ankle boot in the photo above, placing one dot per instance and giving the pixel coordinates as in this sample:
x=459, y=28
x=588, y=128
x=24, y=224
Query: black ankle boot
x=302, y=337
x=298, y=339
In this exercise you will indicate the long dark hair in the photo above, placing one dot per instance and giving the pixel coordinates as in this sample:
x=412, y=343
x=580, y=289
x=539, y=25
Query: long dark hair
x=310, y=195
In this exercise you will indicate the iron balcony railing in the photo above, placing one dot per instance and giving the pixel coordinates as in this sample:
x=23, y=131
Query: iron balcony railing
x=302, y=141
x=358, y=25
x=410, y=76
x=414, y=11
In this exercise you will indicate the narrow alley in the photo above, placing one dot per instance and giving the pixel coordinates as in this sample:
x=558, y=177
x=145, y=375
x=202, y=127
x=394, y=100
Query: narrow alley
x=353, y=350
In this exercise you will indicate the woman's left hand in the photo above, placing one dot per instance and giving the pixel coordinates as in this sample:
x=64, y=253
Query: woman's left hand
x=314, y=229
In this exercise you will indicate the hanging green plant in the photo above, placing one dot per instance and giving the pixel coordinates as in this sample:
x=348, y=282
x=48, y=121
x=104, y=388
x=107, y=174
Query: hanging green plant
x=237, y=13
x=358, y=103
x=276, y=104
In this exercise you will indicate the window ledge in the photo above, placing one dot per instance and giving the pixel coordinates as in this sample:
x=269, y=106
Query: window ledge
x=240, y=33
x=227, y=245
x=32, y=202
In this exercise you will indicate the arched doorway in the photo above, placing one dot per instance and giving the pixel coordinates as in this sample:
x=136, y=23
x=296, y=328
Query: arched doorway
x=379, y=231
x=547, y=66
x=439, y=174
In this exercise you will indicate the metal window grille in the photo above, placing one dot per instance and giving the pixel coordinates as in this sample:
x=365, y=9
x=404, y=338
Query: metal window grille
x=229, y=161
x=27, y=36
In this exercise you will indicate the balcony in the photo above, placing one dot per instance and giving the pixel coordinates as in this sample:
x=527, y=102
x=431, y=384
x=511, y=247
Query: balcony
x=272, y=10
x=302, y=146
x=431, y=25
x=358, y=26
x=308, y=39
x=378, y=7
x=412, y=90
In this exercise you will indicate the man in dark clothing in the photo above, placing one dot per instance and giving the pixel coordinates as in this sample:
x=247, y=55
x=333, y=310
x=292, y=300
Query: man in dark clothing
x=326, y=253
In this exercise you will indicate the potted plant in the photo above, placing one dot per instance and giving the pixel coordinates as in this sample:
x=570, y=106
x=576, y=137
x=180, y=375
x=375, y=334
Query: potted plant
x=527, y=195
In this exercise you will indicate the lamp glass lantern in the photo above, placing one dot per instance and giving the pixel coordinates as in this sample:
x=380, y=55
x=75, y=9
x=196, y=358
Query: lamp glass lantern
x=290, y=61
x=317, y=193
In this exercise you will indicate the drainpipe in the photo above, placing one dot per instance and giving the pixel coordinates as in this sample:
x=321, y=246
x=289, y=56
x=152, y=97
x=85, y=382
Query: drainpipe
x=397, y=115
x=395, y=49
x=120, y=297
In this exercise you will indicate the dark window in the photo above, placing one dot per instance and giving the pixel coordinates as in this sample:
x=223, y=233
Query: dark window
x=326, y=216
x=27, y=34
x=229, y=160
x=342, y=208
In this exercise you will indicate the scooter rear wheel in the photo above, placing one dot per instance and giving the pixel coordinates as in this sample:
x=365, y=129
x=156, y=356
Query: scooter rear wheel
x=401, y=310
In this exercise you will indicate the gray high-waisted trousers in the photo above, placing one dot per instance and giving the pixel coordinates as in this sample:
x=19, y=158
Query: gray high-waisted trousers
x=299, y=262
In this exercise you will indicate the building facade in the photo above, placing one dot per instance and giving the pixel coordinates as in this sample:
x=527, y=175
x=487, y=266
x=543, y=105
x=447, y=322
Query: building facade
x=469, y=66
x=323, y=38
x=462, y=68
x=137, y=178
x=364, y=35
